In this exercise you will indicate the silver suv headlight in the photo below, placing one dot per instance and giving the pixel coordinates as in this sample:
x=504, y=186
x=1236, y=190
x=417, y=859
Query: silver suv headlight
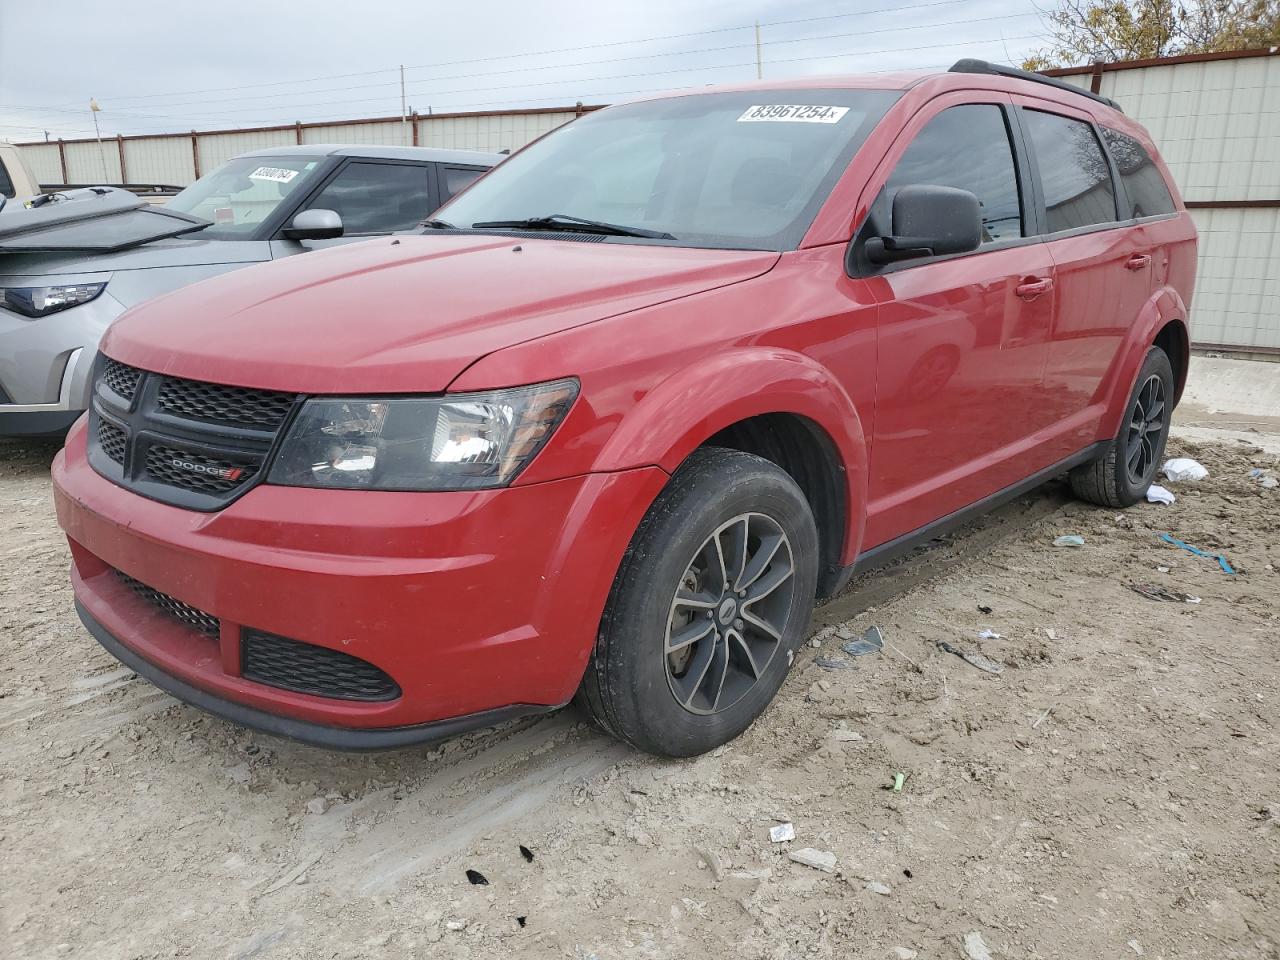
x=455, y=442
x=42, y=301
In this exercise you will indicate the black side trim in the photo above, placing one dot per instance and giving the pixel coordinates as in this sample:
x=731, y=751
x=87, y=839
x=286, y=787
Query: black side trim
x=970, y=65
x=39, y=423
x=892, y=549
x=315, y=734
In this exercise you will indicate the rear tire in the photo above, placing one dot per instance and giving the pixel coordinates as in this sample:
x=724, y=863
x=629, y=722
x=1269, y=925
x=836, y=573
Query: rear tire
x=1121, y=476
x=710, y=602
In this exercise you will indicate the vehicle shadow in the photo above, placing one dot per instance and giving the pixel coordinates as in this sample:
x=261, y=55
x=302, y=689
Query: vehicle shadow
x=27, y=458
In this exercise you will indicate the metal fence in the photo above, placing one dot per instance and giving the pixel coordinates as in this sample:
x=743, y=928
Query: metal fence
x=180, y=158
x=1216, y=119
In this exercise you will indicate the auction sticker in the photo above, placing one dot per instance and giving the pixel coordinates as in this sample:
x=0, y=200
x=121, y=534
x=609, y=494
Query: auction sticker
x=792, y=113
x=275, y=174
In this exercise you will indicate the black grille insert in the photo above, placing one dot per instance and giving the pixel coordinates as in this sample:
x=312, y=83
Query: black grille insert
x=112, y=440
x=306, y=668
x=197, y=620
x=216, y=403
x=193, y=471
x=121, y=378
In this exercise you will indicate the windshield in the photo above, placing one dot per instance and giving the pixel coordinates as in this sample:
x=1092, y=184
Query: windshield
x=739, y=170
x=242, y=193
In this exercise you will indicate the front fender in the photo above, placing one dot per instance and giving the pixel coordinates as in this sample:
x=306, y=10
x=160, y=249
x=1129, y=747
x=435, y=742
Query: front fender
x=698, y=401
x=1164, y=306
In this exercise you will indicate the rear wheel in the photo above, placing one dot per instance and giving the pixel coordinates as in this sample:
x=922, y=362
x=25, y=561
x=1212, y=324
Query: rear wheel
x=710, y=602
x=1120, y=477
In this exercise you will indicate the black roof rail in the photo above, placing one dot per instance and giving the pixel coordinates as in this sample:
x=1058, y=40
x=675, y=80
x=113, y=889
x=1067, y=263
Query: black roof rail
x=970, y=65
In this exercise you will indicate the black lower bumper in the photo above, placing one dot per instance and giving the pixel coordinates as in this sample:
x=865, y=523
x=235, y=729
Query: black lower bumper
x=316, y=734
x=37, y=423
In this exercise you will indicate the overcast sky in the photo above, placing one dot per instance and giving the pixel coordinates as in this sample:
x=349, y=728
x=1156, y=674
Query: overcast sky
x=178, y=65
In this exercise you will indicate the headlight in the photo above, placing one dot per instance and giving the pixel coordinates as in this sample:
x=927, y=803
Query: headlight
x=457, y=442
x=41, y=301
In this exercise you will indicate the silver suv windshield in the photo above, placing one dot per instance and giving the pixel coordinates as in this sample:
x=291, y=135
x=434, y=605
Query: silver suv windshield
x=744, y=170
x=243, y=193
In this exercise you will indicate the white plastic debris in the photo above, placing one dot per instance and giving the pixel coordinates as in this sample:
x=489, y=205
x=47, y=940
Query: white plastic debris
x=782, y=833
x=1159, y=494
x=1070, y=540
x=841, y=735
x=1270, y=483
x=989, y=634
x=875, y=886
x=1136, y=947
x=1181, y=469
x=975, y=947
x=818, y=859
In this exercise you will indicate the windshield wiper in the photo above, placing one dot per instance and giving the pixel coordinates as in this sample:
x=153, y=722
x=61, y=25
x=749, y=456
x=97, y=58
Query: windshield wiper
x=563, y=221
x=438, y=225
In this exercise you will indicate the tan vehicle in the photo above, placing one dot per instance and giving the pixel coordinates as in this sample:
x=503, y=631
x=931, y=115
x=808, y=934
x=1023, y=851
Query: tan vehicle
x=16, y=179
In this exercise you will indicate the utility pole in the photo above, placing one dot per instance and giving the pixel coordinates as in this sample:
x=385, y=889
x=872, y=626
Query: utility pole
x=404, y=112
x=94, y=109
x=759, y=62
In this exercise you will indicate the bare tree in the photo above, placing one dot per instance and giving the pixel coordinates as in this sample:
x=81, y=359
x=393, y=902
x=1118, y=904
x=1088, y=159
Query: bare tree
x=1085, y=31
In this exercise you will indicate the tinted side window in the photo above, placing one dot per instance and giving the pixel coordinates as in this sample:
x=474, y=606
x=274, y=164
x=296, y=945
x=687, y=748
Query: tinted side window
x=456, y=179
x=966, y=147
x=377, y=197
x=1073, y=170
x=1148, y=193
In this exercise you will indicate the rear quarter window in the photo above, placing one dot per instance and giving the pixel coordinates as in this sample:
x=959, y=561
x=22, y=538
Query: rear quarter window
x=1076, y=179
x=1146, y=192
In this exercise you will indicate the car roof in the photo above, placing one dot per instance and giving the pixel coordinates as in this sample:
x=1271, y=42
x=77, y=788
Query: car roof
x=379, y=152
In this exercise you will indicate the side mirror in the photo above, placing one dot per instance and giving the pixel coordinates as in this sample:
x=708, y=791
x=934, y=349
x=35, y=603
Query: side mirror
x=929, y=221
x=315, y=225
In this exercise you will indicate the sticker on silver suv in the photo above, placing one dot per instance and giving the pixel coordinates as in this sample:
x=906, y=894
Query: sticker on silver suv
x=792, y=113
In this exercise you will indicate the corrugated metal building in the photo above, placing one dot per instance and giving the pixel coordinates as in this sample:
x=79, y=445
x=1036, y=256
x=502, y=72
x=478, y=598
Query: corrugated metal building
x=1216, y=119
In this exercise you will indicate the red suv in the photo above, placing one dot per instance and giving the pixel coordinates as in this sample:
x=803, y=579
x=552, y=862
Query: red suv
x=643, y=392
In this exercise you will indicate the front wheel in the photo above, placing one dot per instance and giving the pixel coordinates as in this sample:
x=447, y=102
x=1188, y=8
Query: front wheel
x=708, y=607
x=1121, y=476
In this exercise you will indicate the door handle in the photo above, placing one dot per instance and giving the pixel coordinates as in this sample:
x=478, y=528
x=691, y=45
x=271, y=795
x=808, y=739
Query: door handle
x=1137, y=261
x=1030, y=289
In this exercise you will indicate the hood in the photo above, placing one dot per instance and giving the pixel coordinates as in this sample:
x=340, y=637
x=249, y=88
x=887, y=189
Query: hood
x=89, y=220
x=178, y=252
x=407, y=314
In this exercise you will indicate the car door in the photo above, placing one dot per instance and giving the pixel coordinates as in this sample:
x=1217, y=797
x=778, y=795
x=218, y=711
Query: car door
x=373, y=198
x=962, y=339
x=1102, y=266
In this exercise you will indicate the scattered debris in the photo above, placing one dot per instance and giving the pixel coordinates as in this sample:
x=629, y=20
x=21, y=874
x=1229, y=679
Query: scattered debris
x=988, y=634
x=840, y=735
x=872, y=641
x=522, y=920
x=898, y=780
x=983, y=608
x=1159, y=494
x=1222, y=561
x=317, y=805
x=906, y=872
x=903, y=953
x=1136, y=947
x=1050, y=633
x=1069, y=540
x=1270, y=483
x=526, y=853
x=973, y=659
x=477, y=878
x=1040, y=719
x=1154, y=591
x=455, y=925
x=875, y=886
x=1180, y=469
x=782, y=832
x=712, y=860
x=975, y=947
x=834, y=663
x=818, y=859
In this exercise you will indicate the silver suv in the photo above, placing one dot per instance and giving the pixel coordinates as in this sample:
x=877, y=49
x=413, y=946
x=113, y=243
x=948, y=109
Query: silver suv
x=72, y=265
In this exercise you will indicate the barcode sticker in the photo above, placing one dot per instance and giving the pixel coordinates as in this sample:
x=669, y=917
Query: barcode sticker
x=792, y=113
x=275, y=174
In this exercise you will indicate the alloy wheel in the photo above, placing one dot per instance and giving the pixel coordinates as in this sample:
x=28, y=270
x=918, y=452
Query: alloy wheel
x=1146, y=424
x=728, y=613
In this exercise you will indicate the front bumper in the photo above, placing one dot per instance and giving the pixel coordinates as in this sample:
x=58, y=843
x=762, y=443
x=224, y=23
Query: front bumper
x=480, y=605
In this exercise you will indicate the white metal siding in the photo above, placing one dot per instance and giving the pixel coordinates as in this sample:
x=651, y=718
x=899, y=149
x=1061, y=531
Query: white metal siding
x=1237, y=298
x=42, y=160
x=381, y=134
x=93, y=162
x=217, y=148
x=160, y=161
x=491, y=132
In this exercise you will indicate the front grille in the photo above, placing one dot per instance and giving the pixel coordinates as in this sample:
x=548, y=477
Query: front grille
x=192, y=444
x=112, y=440
x=215, y=403
x=121, y=378
x=306, y=668
x=197, y=620
x=191, y=471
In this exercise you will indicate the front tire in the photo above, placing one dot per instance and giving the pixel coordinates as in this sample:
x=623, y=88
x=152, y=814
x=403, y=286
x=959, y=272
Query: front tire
x=1121, y=476
x=710, y=602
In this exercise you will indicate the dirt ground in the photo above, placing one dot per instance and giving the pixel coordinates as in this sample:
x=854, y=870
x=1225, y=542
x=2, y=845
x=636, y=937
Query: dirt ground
x=1115, y=792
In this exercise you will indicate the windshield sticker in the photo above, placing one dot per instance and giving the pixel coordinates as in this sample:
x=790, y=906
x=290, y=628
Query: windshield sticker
x=792, y=113
x=275, y=174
